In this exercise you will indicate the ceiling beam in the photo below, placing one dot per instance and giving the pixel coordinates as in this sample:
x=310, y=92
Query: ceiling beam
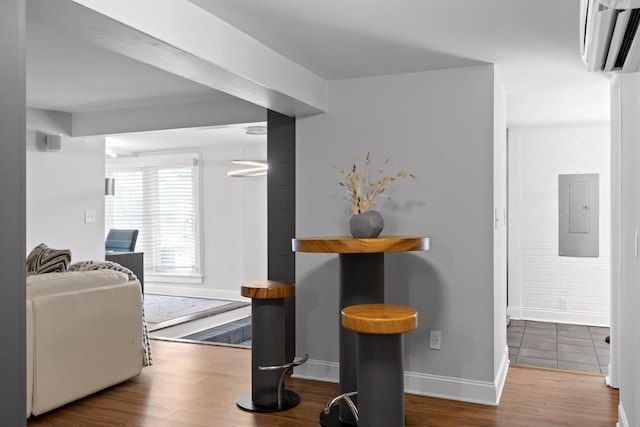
x=167, y=116
x=179, y=37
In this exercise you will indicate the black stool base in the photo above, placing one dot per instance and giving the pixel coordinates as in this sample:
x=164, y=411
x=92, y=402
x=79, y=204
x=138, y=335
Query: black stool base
x=332, y=419
x=245, y=402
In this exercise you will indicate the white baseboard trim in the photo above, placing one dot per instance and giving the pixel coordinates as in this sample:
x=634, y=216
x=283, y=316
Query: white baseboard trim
x=318, y=370
x=622, y=417
x=560, y=316
x=465, y=390
x=187, y=291
x=501, y=375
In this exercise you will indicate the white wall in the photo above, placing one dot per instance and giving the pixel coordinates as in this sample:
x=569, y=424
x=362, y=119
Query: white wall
x=538, y=276
x=499, y=225
x=61, y=186
x=625, y=133
x=233, y=223
x=438, y=125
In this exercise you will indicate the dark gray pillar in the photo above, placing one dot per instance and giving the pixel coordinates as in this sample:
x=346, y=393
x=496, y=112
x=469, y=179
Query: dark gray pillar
x=361, y=282
x=12, y=213
x=281, y=211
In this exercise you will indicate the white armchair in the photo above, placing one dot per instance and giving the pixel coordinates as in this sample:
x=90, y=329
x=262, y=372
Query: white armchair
x=84, y=334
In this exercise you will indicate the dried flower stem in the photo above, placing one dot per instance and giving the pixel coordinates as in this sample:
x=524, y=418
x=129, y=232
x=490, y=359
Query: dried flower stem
x=362, y=193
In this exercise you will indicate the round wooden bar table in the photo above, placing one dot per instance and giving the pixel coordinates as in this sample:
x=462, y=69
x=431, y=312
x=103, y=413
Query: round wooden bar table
x=361, y=282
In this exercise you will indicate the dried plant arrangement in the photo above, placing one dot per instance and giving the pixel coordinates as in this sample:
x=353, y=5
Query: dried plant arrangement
x=362, y=192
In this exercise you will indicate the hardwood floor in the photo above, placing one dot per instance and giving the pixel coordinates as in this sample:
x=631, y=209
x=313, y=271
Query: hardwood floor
x=197, y=385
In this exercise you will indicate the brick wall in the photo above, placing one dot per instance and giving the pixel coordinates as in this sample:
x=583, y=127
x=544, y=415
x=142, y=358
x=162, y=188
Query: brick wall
x=538, y=278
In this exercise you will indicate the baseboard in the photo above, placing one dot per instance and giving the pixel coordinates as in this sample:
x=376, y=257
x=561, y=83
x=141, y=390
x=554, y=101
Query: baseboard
x=465, y=390
x=501, y=375
x=622, y=417
x=318, y=370
x=560, y=316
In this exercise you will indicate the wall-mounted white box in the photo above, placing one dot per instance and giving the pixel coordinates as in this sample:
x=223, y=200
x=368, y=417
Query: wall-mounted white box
x=578, y=216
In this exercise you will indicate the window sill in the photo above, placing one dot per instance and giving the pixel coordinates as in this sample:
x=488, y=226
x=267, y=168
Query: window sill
x=191, y=279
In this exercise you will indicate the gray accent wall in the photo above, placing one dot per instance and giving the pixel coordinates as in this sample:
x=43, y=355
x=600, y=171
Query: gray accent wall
x=446, y=128
x=12, y=213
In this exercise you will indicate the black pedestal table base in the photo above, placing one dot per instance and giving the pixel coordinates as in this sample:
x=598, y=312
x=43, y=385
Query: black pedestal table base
x=361, y=282
x=245, y=402
x=332, y=419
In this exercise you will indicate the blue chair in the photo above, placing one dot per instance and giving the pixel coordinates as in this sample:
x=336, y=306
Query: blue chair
x=121, y=241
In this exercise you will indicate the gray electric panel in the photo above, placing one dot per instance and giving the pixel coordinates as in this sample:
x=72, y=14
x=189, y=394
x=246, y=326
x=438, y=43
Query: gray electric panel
x=578, y=215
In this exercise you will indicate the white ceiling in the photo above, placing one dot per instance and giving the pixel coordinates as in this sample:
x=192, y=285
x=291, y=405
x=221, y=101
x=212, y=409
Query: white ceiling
x=67, y=74
x=534, y=45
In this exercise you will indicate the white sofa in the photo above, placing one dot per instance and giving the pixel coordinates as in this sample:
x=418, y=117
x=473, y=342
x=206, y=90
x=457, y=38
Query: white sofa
x=84, y=334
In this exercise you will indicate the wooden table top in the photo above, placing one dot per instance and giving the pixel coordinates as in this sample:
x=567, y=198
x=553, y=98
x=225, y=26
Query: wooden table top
x=351, y=245
x=267, y=289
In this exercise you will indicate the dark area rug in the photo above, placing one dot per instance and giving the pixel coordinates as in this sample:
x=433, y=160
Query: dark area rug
x=236, y=333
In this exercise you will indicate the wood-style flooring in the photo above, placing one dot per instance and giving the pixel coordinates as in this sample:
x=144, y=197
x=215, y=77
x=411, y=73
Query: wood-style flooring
x=197, y=385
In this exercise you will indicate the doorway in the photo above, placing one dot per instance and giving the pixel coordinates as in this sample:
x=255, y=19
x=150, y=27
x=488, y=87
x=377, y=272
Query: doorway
x=566, y=294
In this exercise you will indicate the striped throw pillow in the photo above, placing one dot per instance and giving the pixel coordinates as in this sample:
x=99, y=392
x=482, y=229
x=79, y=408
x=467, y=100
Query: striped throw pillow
x=43, y=259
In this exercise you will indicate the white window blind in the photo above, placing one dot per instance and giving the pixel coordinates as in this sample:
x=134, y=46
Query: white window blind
x=159, y=196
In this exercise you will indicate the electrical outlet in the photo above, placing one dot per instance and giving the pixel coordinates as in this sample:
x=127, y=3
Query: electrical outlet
x=563, y=303
x=435, y=338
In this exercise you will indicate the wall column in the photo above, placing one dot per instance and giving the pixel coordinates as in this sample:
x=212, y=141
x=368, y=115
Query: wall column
x=281, y=211
x=12, y=213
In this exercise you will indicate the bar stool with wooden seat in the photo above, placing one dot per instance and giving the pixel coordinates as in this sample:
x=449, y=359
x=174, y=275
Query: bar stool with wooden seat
x=268, y=359
x=379, y=361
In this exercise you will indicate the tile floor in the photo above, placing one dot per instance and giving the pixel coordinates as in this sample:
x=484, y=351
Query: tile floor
x=560, y=346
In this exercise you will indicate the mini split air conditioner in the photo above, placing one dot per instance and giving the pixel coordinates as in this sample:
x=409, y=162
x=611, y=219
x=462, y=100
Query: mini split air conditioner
x=609, y=37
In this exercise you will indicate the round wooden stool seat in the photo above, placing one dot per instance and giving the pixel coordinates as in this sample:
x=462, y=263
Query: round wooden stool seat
x=268, y=289
x=379, y=319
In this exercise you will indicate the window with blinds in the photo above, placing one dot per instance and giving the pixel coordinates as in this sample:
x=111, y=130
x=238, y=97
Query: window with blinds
x=160, y=196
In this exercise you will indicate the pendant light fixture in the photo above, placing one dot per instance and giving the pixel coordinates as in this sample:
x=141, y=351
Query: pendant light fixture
x=257, y=168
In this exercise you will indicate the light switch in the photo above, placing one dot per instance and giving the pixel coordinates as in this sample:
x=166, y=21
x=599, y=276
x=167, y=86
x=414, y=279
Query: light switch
x=89, y=216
